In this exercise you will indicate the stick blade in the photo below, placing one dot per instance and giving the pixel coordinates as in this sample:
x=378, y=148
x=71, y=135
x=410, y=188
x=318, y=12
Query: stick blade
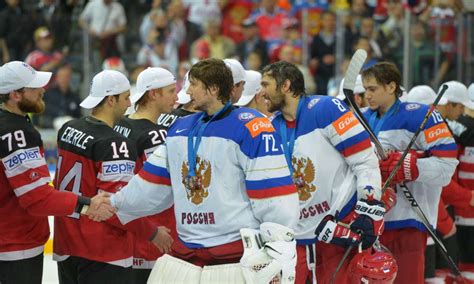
x=354, y=68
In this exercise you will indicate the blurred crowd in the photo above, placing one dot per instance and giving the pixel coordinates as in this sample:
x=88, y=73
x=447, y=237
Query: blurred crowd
x=126, y=35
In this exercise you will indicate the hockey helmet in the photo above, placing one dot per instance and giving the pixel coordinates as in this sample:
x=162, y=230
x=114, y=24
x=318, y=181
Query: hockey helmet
x=373, y=266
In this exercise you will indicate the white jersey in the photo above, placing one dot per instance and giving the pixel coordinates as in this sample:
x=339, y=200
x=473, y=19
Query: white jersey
x=435, y=170
x=334, y=157
x=243, y=175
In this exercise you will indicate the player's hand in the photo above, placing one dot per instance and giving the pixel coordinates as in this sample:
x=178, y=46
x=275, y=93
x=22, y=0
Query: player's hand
x=389, y=198
x=163, y=239
x=472, y=199
x=330, y=232
x=407, y=172
x=100, y=208
x=369, y=223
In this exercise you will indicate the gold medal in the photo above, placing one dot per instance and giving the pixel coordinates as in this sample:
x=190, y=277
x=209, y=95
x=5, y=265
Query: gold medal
x=298, y=180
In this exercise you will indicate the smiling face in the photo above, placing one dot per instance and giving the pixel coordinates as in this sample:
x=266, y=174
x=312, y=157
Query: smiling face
x=275, y=99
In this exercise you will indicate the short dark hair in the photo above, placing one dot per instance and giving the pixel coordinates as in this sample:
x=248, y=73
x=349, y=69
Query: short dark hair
x=214, y=72
x=385, y=73
x=282, y=71
x=102, y=102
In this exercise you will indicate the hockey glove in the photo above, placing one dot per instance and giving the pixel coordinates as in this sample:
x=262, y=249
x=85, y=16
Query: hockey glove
x=407, y=172
x=331, y=232
x=389, y=199
x=369, y=222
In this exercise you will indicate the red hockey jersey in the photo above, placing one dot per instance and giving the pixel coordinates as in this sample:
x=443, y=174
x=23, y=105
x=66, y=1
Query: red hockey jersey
x=26, y=197
x=94, y=158
x=147, y=136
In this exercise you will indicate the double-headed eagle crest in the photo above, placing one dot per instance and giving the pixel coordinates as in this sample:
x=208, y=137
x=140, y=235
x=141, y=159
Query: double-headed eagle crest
x=303, y=177
x=197, y=193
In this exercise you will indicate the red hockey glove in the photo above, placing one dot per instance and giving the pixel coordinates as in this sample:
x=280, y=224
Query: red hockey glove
x=330, y=232
x=407, y=172
x=369, y=223
x=389, y=199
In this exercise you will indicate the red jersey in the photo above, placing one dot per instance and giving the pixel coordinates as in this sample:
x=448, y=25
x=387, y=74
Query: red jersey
x=147, y=136
x=94, y=158
x=26, y=197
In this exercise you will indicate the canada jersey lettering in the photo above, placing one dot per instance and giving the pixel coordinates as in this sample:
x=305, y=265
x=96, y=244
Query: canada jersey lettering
x=435, y=170
x=24, y=179
x=330, y=144
x=104, y=162
x=144, y=134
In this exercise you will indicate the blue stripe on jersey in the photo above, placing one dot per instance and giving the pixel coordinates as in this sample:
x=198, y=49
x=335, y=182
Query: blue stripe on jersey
x=268, y=183
x=352, y=141
x=444, y=147
x=190, y=245
x=156, y=170
x=395, y=225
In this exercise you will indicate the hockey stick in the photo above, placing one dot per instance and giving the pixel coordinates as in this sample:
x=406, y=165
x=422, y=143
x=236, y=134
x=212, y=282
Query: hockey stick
x=406, y=192
x=339, y=265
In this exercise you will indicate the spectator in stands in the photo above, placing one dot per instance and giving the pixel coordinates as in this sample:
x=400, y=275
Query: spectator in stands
x=288, y=54
x=159, y=54
x=56, y=16
x=148, y=21
x=364, y=43
x=254, y=61
x=367, y=29
x=252, y=43
x=44, y=57
x=322, y=52
x=16, y=31
x=104, y=21
x=199, y=12
x=269, y=20
x=219, y=46
x=60, y=100
x=391, y=31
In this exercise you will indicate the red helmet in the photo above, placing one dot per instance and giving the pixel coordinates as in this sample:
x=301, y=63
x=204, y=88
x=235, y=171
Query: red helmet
x=373, y=267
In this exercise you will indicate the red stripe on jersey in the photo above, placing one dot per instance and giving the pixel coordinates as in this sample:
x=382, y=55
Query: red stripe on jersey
x=154, y=178
x=359, y=147
x=445, y=153
x=111, y=186
x=467, y=167
x=28, y=177
x=271, y=192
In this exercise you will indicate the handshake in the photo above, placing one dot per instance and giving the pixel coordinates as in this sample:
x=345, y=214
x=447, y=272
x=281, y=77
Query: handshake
x=100, y=210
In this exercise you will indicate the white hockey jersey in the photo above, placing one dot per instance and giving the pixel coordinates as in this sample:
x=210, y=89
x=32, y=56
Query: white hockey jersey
x=435, y=171
x=244, y=176
x=334, y=156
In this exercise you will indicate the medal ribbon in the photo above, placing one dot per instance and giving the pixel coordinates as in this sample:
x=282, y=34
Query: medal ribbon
x=196, y=132
x=288, y=135
x=376, y=124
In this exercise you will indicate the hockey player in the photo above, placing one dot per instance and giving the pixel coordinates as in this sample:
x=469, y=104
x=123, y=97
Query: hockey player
x=25, y=195
x=156, y=94
x=394, y=123
x=223, y=169
x=464, y=134
x=252, y=96
x=185, y=107
x=238, y=76
x=333, y=166
x=94, y=158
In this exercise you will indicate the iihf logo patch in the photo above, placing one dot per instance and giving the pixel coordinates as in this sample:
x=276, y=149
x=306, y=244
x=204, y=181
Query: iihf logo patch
x=410, y=107
x=246, y=116
x=312, y=103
